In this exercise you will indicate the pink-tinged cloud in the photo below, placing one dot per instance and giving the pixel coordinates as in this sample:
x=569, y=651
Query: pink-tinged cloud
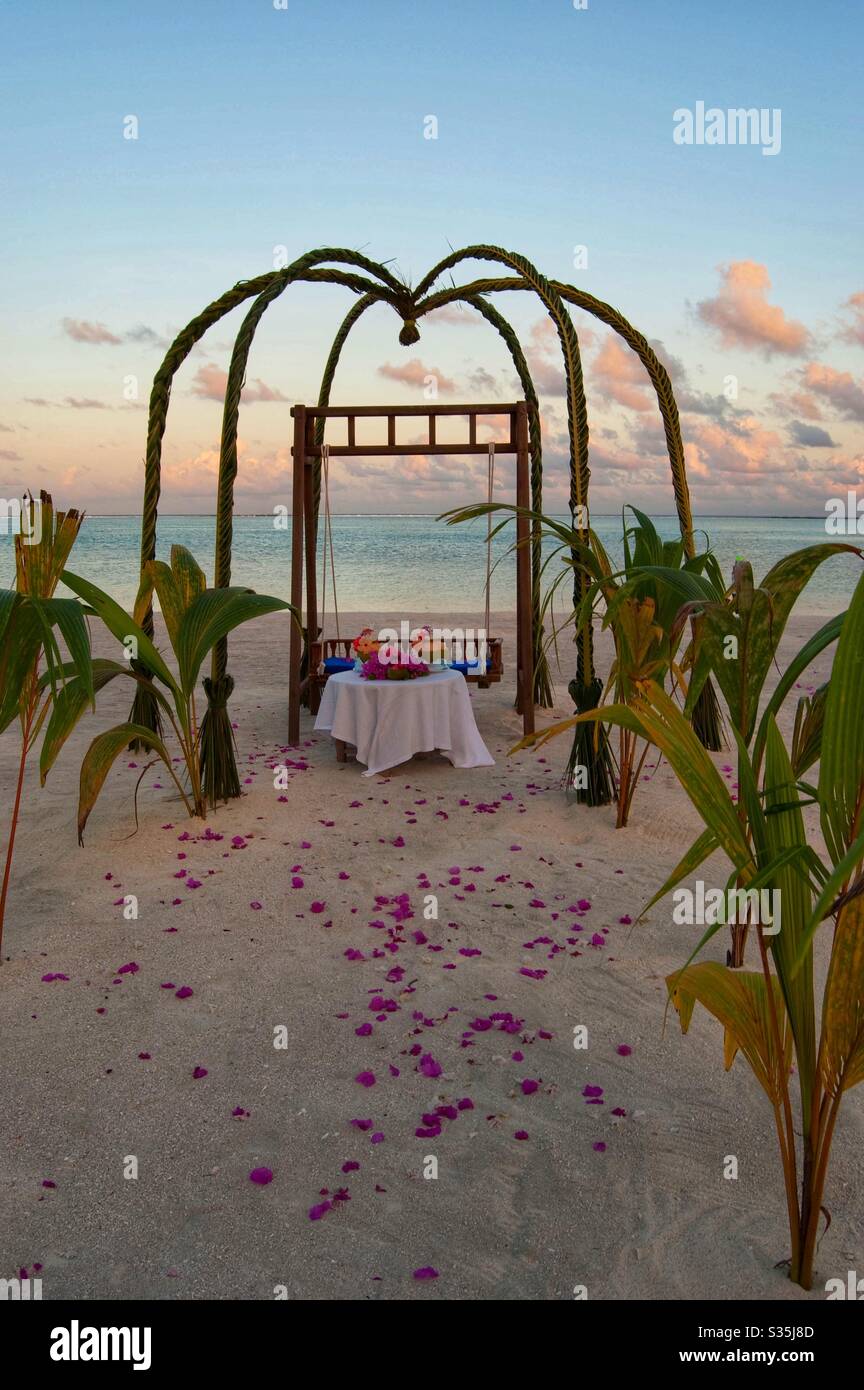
x=839, y=389
x=268, y=474
x=802, y=403
x=620, y=376
x=742, y=316
x=82, y=331
x=459, y=315
x=543, y=352
x=210, y=381
x=853, y=332
x=414, y=373
x=739, y=446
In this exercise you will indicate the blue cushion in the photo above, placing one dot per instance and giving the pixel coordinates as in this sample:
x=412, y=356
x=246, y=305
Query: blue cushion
x=333, y=664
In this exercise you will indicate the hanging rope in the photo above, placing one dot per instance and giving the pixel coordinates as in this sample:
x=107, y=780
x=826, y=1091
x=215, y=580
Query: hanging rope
x=490, y=484
x=328, y=545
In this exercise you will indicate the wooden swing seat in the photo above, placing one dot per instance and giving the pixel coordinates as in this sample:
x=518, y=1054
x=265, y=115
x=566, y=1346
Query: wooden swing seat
x=341, y=647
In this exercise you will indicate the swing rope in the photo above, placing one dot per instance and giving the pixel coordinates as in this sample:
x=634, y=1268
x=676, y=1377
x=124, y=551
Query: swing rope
x=490, y=482
x=328, y=545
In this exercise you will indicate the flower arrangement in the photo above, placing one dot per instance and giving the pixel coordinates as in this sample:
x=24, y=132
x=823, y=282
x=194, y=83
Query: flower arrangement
x=425, y=647
x=377, y=670
x=366, y=644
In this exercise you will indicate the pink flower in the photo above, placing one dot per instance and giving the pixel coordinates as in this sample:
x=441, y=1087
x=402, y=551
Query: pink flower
x=529, y=1087
x=256, y=906
x=427, y=1272
x=623, y=1050
x=131, y=969
x=198, y=1073
x=599, y=1148
x=428, y=1066
x=184, y=992
x=261, y=1176
x=315, y=1213
x=365, y=1078
x=521, y=1134
x=317, y=907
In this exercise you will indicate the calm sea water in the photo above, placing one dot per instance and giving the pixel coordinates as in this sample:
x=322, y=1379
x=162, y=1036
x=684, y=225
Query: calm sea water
x=416, y=564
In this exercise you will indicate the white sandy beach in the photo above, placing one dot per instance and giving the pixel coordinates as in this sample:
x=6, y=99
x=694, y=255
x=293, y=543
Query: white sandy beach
x=648, y=1217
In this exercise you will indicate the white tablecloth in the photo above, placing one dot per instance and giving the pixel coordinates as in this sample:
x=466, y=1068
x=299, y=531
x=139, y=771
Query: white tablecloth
x=389, y=721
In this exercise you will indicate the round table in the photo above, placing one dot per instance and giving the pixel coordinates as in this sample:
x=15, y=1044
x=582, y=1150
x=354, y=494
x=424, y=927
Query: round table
x=389, y=721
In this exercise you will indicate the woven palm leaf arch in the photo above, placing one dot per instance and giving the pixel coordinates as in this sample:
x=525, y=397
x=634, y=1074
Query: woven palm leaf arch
x=378, y=285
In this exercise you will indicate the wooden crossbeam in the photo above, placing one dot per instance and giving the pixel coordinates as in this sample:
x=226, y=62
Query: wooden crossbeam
x=343, y=412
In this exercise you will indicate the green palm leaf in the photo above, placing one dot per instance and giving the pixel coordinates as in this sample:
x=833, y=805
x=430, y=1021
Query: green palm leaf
x=212, y=615
x=841, y=772
x=100, y=758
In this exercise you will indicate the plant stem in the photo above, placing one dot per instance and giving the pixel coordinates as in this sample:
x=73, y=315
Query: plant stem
x=812, y=1192
x=10, y=844
x=787, y=1140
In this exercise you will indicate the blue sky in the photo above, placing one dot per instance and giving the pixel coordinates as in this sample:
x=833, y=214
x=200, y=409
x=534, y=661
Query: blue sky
x=261, y=127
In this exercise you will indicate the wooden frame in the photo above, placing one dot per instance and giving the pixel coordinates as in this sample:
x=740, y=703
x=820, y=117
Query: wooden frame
x=305, y=451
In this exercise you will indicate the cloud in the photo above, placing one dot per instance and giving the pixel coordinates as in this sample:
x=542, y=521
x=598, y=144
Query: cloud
x=796, y=403
x=68, y=403
x=10, y=456
x=736, y=446
x=141, y=333
x=414, y=373
x=462, y=315
x=840, y=389
x=83, y=331
x=621, y=377
x=480, y=380
x=210, y=381
x=854, y=332
x=742, y=316
x=811, y=436
x=543, y=353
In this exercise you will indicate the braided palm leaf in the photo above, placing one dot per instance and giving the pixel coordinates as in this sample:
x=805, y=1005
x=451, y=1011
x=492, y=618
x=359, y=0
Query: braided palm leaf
x=706, y=715
x=543, y=694
x=145, y=710
x=590, y=749
x=542, y=683
x=577, y=412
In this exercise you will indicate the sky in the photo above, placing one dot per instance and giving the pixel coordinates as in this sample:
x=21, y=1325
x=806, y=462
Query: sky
x=262, y=130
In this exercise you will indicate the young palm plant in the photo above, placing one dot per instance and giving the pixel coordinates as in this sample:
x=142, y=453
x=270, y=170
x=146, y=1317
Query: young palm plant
x=770, y=1014
x=642, y=614
x=196, y=618
x=31, y=665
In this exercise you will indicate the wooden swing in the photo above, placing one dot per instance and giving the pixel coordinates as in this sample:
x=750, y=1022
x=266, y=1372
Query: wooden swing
x=323, y=650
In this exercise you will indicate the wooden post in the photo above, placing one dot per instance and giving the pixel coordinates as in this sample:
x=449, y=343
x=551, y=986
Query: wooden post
x=525, y=643
x=311, y=534
x=295, y=649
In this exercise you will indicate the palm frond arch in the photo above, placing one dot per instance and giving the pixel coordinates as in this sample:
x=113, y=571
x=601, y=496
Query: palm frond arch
x=377, y=284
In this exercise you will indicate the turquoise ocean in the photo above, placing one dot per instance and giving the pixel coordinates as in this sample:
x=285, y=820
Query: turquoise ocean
x=408, y=565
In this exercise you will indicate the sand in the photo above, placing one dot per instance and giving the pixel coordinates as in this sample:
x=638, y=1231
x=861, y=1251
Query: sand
x=649, y=1217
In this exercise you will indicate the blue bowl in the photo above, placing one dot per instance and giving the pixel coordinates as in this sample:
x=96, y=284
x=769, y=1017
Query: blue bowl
x=334, y=664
